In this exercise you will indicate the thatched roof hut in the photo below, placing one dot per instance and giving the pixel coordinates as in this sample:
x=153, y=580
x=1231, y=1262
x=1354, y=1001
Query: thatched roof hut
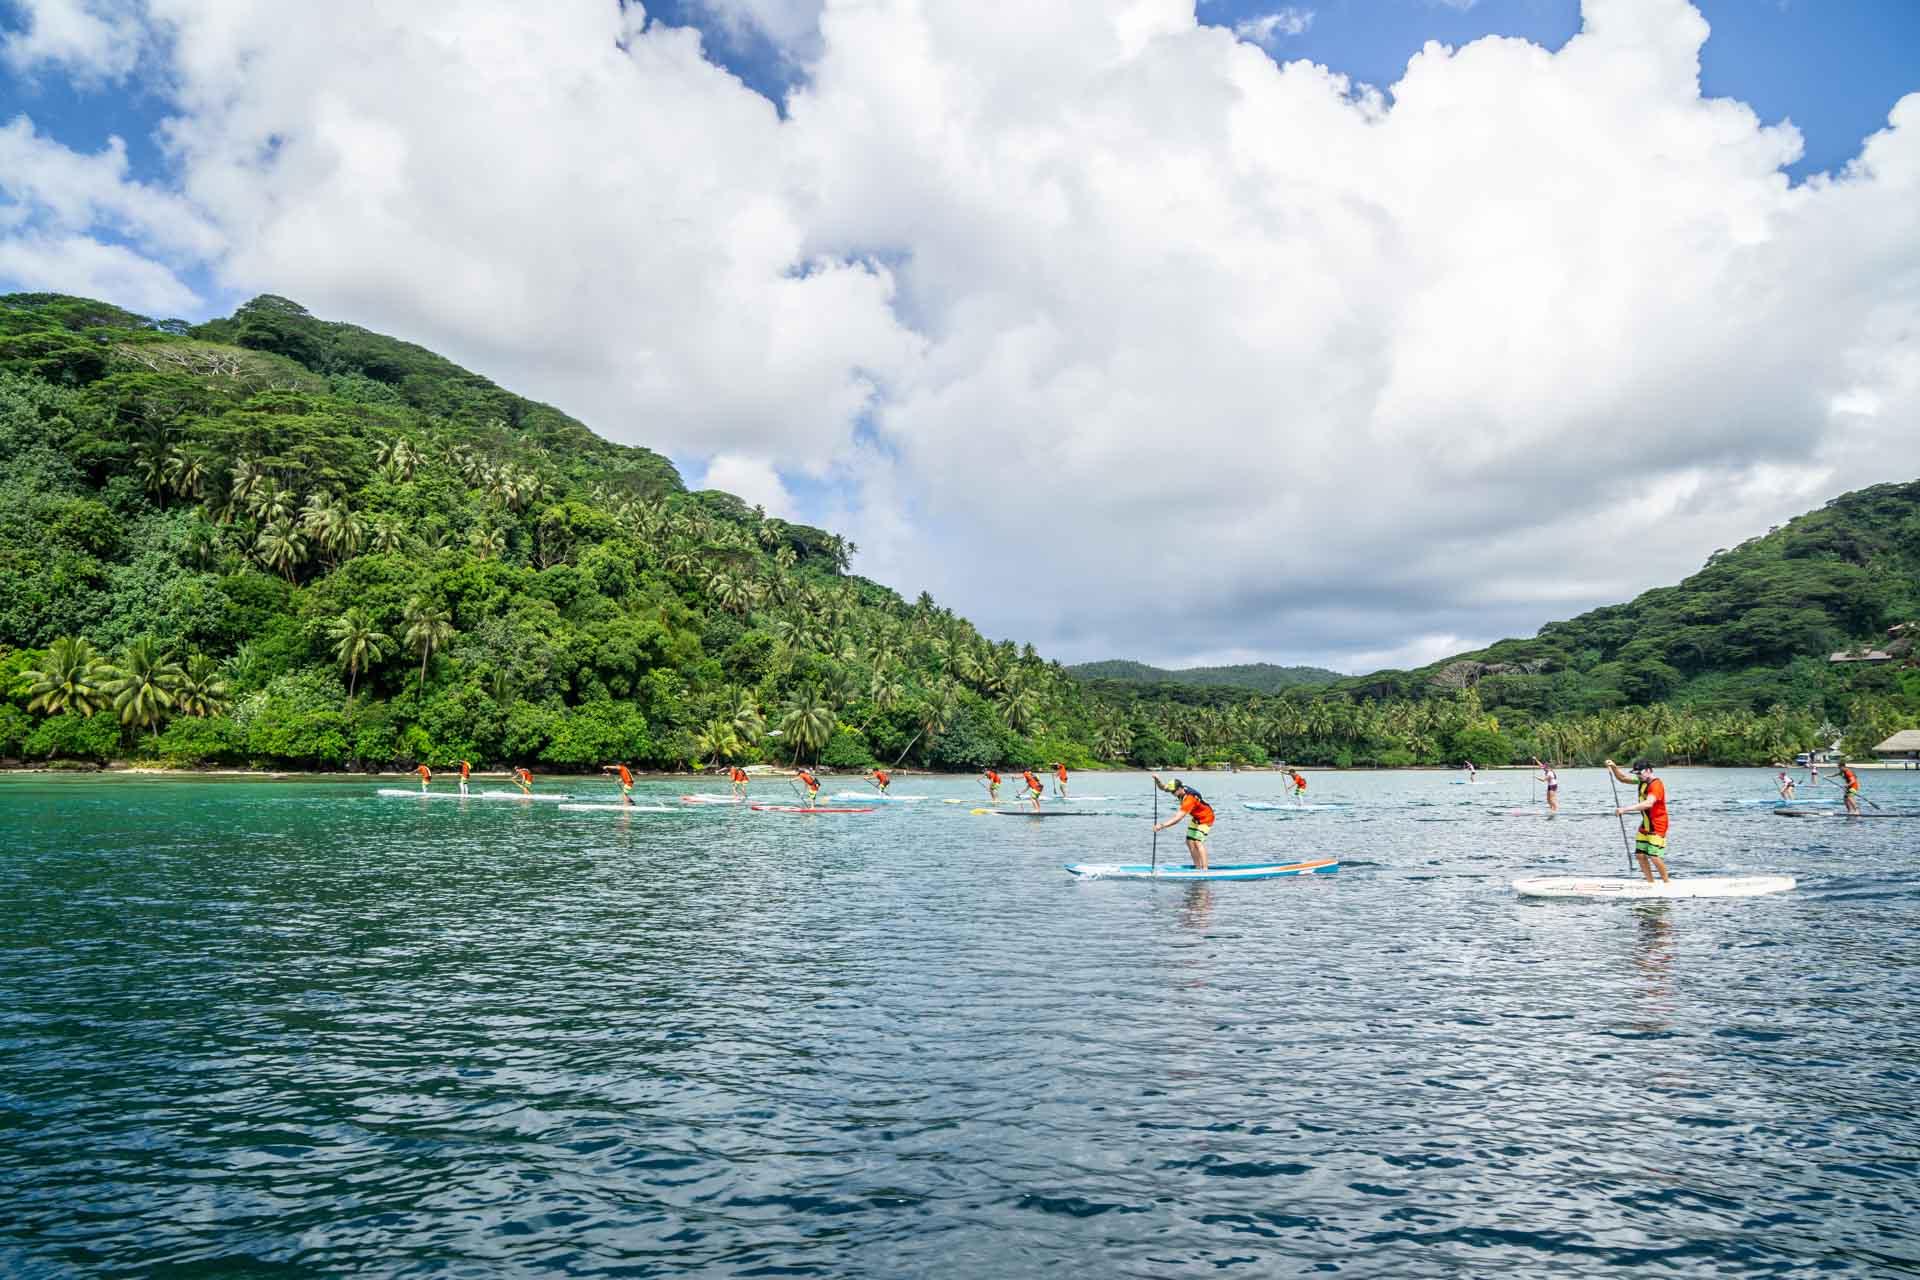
x=1906, y=742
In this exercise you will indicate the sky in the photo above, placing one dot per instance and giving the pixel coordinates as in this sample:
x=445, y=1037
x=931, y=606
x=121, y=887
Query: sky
x=1351, y=333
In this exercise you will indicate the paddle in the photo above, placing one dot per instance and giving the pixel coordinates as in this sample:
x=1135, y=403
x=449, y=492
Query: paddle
x=1615, y=784
x=1156, y=825
x=1843, y=789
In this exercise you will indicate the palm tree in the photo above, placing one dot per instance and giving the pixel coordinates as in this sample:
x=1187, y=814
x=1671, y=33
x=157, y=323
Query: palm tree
x=429, y=627
x=716, y=741
x=807, y=722
x=203, y=691
x=357, y=645
x=143, y=684
x=488, y=541
x=283, y=546
x=186, y=471
x=387, y=534
x=743, y=713
x=67, y=680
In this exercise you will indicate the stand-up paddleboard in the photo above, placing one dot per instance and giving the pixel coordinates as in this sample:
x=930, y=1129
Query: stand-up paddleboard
x=1544, y=812
x=1288, y=806
x=1635, y=887
x=1225, y=871
x=800, y=808
x=1048, y=813
x=1797, y=812
x=413, y=793
x=1477, y=782
x=1779, y=803
x=711, y=798
x=517, y=795
x=617, y=807
x=874, y=797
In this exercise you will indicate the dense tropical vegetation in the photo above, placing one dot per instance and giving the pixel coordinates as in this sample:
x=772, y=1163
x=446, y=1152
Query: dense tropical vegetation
x=274, y=540
x=1260, y=677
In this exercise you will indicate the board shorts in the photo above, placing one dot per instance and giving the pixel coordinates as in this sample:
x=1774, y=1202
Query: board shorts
x=1651, y=844
x=1198, y=831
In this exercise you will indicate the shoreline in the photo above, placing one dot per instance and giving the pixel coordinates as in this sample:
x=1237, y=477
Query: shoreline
x=124, y=769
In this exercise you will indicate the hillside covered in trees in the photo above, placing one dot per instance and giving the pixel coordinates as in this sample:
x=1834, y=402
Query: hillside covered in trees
x=1257, y=677
x=273, y=540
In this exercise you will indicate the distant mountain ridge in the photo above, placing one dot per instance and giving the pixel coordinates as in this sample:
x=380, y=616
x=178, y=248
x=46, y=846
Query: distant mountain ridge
x=1259, y=677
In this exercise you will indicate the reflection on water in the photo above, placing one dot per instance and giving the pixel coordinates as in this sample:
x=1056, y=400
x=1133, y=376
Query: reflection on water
x=292, y=1028
x=1196, y=912
x=1653, y=948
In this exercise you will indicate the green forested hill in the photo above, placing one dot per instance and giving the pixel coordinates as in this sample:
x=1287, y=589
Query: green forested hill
x=276, y=540
x=1259, y=677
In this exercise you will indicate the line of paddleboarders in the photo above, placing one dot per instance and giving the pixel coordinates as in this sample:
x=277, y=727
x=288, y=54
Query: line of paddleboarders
x=1849, y=784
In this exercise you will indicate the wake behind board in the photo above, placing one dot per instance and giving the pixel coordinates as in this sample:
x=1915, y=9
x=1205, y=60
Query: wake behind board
x=617, y=807
x=1839, y=813
x=1635, y=887
x=517, y=795
x=800, y=808
x=1225, y=871
x=1048, y=813
x=875, y=797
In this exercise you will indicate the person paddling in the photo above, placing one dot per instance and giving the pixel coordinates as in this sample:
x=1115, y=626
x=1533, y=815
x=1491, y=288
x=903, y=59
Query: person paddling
x=1198, y=813
x=1060, y=779
x=1851, y=781
x=1552, y=779
x=881, y=779
x=1785, y=783
x=992, y=781
x=426, y=775
x=1299, y=782
x=738, y=777
x=523, y=778
x=1034, y=790
x=811, y=783
x=465, y=770
x=1650, y=846
x=1471, y=771
x=626, y=780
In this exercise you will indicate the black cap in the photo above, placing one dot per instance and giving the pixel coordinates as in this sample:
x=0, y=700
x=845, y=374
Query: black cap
x=1642, y=765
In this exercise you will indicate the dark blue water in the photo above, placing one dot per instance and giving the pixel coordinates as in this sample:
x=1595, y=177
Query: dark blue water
x=259, y=1027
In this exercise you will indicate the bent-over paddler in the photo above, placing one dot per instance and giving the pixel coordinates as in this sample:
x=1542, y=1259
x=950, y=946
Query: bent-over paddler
x=626, y=780
x=1196, y=811
x=426, y=775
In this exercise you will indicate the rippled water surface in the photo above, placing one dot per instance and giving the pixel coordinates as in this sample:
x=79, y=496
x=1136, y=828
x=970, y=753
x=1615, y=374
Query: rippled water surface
x=249, y=1026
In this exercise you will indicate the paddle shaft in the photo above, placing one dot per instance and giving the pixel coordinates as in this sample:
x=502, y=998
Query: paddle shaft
x=1156, y=828
x=1843, y=788
x=1621, y=818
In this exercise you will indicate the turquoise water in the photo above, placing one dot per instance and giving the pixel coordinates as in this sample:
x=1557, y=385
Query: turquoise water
x=250, y=1026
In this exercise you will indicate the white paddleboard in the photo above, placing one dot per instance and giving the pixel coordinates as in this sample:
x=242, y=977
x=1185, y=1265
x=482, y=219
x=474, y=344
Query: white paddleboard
x=1635, y=887
x=874, y=797
x=516, y=795
x=711, y=798
x=618, y=808
x=414, y=793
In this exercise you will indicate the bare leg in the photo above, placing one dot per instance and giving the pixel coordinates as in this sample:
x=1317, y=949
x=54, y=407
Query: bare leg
x=1662, y=864
x=1646, y=868
x=1198, y=852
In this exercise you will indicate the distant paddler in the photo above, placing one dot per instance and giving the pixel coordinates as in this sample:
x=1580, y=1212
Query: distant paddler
x=1785, y=783
x=1650, y=845
x=1851, y=781
x=1034, y=790
x=738, y=777
x=1471, y=771
x=1060, y=779
x=1552, y=779
x=1197, y=812
x=626, y=780
x=811, y=783
x=426, y=775
x=880, y=778
x=1297, y=782
x=991, y=781
x=466, y=770
x=523, y=778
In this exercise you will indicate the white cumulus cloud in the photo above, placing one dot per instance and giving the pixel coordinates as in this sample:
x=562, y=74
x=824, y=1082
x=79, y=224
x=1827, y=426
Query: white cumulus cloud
x=89, y=39
x=1269, y=29
x=1109, y=330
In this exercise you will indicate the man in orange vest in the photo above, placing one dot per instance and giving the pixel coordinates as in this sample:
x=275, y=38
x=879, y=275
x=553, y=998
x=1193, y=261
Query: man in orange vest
x=1650, y=845
x=626, y=780
x=739, y=780
x=1060, y=779
x=426, y=775
x=1198, y=813
x=465, y=770
x=1851, y=781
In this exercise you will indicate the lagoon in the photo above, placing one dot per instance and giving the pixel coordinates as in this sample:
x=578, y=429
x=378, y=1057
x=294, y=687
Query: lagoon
x=251, y=1025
